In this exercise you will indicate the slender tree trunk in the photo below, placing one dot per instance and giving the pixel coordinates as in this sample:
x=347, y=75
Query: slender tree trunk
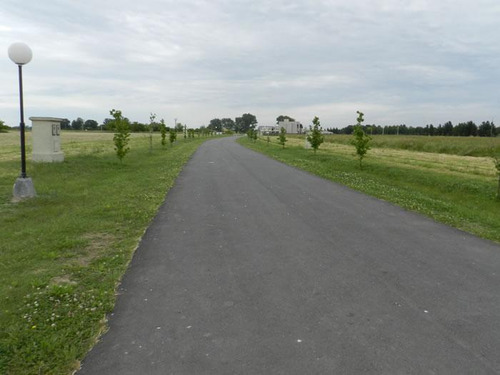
x=498, y=190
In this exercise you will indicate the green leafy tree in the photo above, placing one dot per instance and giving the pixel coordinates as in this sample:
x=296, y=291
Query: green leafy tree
x=172, y=136
x=3, y=128
x=227, y=123
x=77, y=124
x=90, y=125
x=361, y=141
x=179, y=127
x=315, y=138
x=282, y=137
x=245, y=122
x=122, y=134
x=65, y=124
x=163, y=132
x=283, y=118
x=215, y=125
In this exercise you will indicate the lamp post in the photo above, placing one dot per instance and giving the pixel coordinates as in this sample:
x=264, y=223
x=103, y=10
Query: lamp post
x=21, y=54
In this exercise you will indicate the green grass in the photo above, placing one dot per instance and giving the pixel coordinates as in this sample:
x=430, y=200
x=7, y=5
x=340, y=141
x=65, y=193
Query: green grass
x=63, y=253
x=457, y=190
x=464, y=146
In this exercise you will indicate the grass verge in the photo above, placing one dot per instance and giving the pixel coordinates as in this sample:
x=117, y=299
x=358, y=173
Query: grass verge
x=458, y=191
x=63, y=253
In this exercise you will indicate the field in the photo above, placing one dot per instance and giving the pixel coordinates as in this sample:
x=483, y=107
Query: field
x=456, y=190
x=463, y=146
x=63, y=252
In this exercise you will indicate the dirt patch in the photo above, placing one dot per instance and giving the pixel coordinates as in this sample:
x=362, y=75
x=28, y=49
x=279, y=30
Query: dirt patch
x=62, y=280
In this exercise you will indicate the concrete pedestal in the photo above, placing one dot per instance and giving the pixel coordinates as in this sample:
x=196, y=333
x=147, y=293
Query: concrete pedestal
x=23, y=189
x=46, y=139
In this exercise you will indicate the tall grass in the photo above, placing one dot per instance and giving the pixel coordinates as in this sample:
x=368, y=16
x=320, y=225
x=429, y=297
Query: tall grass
x=464, y=146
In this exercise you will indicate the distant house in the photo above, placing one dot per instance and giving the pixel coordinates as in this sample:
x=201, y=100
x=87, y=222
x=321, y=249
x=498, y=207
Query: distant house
x=291, y=127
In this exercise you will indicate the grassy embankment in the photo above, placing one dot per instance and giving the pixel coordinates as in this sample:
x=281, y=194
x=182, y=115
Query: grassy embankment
x=456, y=190
x=62, y=253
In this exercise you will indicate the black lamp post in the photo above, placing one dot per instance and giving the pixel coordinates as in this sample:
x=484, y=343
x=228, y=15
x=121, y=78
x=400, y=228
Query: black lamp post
x=21, y=54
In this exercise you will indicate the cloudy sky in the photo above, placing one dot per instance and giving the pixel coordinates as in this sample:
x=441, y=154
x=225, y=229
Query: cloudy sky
x=399, y=61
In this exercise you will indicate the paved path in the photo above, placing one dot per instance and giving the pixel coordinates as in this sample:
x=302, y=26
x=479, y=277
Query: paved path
x=253, y=267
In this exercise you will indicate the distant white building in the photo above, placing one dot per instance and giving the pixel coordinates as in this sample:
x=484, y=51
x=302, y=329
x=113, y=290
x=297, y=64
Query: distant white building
x=291, y=127
x=268, y=130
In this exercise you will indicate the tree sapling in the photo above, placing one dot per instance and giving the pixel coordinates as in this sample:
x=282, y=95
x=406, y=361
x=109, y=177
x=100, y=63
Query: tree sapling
x=361, y=141
x=282, y=137
x=315, y=138
x=122, y=135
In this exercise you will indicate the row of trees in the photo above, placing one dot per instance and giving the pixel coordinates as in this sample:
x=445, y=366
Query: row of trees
x=109, y=124
x=463, y=129
x=122, y=129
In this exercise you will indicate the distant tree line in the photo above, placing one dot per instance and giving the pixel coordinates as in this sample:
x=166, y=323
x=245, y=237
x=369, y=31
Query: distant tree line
x=463, y=129
x=241, y=124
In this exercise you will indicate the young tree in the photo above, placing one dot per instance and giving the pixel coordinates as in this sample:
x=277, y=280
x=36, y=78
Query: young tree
x=496, y=161
x=152, y=119
x=252, y=134
x=315, y=138
x=361, y=141
x=121, y=137
x=172, y=136
x=282, y=137
x=163, y=131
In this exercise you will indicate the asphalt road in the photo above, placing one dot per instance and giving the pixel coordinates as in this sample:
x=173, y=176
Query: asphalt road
x=254, y=267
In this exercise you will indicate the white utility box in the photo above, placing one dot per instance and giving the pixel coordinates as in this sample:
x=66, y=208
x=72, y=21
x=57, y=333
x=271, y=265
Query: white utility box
x=46, y=136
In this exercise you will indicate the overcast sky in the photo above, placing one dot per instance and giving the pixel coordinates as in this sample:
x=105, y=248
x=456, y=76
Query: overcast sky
x=399, y=61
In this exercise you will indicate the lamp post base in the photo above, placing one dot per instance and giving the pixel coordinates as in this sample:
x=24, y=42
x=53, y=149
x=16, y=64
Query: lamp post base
x=23, y=189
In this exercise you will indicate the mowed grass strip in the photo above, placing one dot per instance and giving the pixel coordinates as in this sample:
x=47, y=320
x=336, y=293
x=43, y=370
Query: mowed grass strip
x=63, y=253
x=456, y=190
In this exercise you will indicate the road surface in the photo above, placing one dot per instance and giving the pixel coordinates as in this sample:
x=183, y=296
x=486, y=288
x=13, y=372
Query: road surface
x=254, y=267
